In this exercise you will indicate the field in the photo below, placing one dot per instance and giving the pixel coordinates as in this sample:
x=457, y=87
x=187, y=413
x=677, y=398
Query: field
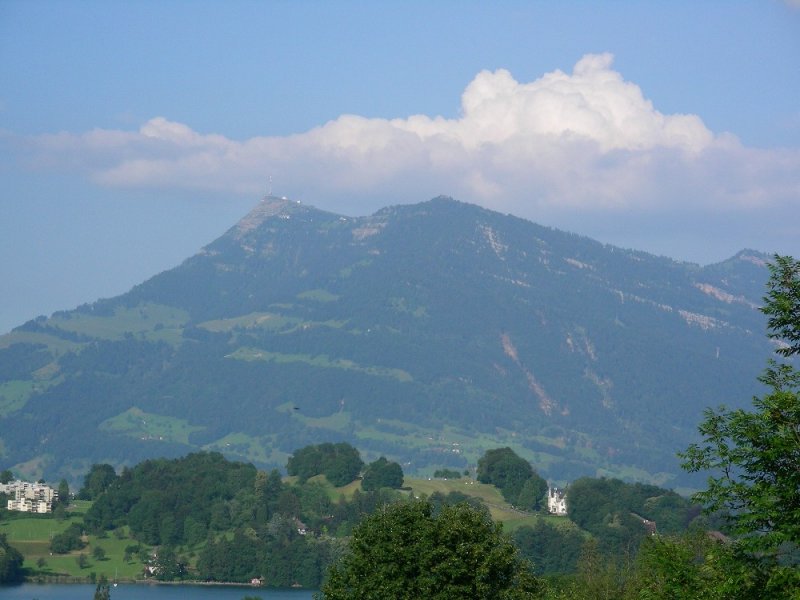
x=32, y=535
x=500, y=510
x=146, y=426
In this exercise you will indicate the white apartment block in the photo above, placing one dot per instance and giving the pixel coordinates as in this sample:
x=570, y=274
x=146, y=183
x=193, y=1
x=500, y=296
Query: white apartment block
x=25, y=496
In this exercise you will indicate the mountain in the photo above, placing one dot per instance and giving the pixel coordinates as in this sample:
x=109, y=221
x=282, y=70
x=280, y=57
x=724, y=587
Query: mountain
x=427, y=333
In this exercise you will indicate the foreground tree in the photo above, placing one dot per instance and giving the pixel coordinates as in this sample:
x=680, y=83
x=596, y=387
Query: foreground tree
x=754, y=456
x=404, y=551
x=696, y=565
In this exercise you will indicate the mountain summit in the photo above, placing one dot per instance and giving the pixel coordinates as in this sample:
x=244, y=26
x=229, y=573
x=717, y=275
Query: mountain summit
x=426, y=333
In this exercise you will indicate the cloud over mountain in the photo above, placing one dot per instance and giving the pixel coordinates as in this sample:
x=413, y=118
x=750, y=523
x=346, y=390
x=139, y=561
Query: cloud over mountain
x=587, y=140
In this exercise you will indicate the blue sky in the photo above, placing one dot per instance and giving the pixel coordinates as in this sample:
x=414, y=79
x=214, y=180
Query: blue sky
x=133, y=133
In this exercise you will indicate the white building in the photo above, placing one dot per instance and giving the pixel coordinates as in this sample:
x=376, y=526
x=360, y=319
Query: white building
x=25, y=496
x=556, y=501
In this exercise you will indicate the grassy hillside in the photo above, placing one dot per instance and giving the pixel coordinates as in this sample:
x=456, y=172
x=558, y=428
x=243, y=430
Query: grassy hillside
x=32, y=535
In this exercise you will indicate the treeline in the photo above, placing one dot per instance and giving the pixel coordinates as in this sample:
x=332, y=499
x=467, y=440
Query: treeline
x=619, y=514
x=206, y=517
x=212, y=519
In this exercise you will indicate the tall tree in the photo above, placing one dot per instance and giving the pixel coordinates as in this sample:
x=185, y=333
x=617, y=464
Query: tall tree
x=783, y=304
x=754, y=456
x=404, y=551
x=63, y=492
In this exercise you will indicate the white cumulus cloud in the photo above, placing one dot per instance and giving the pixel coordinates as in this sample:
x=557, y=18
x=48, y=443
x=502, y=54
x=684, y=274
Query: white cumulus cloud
x=585, y=142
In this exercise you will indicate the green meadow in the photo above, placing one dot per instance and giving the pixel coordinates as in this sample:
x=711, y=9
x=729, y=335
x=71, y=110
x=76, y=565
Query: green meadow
x=31, y=535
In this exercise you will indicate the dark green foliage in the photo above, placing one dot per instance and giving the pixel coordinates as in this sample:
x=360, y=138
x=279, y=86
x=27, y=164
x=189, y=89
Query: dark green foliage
x=97, y=481
x=242, y=523
x=275, y=551
x=68, y=540
x=19, y=361
x=438, y=500
x=405, y=552
x=615, y=512
x=6, y=476
x=698, y=566
x=340, y=463
x=753, y=456
x=504, y=469
x=532, y=494
x=551, y=550
x=63, y=493
x=10, y=562
x=382, y=474
x=103, y=590
x=447, y=474
x=168, y=501
x=513, y=476
x=782, y=304
x=168, y=565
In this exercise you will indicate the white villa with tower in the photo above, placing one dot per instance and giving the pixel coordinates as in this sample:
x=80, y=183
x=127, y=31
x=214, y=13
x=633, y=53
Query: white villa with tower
x=556, y=501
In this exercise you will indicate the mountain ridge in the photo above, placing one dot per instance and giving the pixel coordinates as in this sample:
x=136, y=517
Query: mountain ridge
x=426, y=332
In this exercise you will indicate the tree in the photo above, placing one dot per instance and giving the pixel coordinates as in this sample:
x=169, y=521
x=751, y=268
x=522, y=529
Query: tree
x=63, y=493
x=754, y=456
x=783, y=304
x=340, y=463
x=6, y=476
x=510, y=473
x=97, y=480
x=404, y=551
x=533, y=493
x=382, y=473
x=102, y=591
x=168, y=565
x=99, y=553
x=696, y=565
x=68, y=540
x=10, y=562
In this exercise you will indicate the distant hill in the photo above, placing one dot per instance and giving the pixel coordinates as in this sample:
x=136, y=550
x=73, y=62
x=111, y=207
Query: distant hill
x=427, y=333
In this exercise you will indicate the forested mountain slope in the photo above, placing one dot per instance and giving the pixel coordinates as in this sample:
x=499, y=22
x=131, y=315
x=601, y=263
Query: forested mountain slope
x=426, y=333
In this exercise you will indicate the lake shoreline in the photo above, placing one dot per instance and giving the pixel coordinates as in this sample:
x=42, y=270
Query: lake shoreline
x=149, y=590
x=70, y=580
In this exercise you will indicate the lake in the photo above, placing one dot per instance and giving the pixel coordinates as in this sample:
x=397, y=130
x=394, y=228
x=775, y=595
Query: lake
x=144, y=591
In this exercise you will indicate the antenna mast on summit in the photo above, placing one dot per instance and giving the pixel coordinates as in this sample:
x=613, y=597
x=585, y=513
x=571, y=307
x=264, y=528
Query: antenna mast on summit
x=269, y=187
